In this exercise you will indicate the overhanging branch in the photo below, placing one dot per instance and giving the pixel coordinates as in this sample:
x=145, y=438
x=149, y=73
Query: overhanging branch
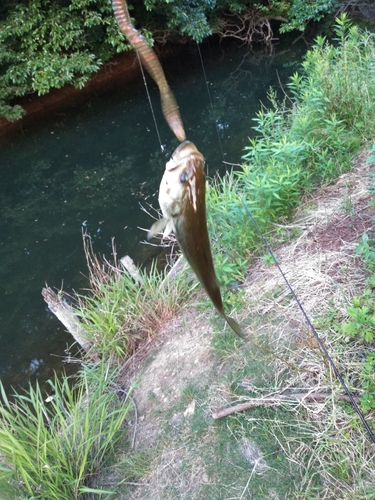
x=248, y=26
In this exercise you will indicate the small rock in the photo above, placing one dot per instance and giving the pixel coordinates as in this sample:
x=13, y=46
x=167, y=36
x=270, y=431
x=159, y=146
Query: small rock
x=190, y=409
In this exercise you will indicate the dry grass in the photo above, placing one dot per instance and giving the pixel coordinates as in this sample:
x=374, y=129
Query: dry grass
x=321, y=263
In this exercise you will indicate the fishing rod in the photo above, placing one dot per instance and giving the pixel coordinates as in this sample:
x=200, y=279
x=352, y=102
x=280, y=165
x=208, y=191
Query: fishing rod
x=319, y=340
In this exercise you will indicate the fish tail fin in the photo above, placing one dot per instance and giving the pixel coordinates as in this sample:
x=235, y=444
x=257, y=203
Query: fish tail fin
x=235, y=327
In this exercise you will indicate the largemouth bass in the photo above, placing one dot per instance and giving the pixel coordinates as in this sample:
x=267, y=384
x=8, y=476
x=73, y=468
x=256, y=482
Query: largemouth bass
x=182, y=201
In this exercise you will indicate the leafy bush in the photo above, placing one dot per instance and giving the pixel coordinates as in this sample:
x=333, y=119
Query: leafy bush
x=361, y=324
x=301, y=12
x=362, y=317
x=311, y=141
x=46, y=45
x=332, y=112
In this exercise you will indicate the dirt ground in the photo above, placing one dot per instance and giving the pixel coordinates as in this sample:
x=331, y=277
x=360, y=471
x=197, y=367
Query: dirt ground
x=180, y=356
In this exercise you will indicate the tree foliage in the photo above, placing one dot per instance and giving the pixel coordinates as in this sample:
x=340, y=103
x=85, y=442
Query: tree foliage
x=46, y=44
x=186, y=17
x=302, y=11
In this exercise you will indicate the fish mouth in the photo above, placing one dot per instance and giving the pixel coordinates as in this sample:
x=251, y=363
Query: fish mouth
x=182, y=154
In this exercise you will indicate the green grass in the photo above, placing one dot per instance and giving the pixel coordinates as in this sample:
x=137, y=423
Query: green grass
x=52, y=447
x=121, y=310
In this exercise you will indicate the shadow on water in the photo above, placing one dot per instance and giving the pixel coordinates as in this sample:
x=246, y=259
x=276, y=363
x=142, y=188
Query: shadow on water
x=90, y=167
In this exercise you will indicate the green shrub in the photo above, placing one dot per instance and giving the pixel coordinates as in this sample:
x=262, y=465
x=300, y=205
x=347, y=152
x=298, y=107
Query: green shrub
x=304, y=141
x=332, y=113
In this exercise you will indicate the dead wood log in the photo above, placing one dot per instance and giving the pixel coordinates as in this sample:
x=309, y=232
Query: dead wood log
x=64, y=313
x=172, y=275
x=131, y=268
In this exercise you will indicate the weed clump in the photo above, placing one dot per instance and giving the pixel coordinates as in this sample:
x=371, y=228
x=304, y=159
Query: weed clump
x=51, y=448
x=121, y=310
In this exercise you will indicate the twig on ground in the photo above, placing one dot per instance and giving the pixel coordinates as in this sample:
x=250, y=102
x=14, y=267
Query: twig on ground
x=315, y=396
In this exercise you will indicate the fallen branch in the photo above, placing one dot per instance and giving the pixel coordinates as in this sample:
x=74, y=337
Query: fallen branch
x=290, y=398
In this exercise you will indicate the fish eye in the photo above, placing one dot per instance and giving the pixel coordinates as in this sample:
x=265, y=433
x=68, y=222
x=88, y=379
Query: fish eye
x=184, y=177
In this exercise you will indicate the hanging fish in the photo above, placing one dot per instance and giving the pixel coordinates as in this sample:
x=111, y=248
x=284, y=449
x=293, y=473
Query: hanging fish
x=151, y=62
x=182, y=202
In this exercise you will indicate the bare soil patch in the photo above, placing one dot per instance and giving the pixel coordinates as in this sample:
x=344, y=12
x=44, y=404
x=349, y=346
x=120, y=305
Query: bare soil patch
x=179, y=357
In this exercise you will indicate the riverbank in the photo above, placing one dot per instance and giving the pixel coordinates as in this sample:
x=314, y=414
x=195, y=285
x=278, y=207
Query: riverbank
x=196, y=368
x=120, y=70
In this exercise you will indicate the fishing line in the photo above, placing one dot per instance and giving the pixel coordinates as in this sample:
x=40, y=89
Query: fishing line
x=268, y=248
x=124, y=6
x=149, y=100
x=212, y=104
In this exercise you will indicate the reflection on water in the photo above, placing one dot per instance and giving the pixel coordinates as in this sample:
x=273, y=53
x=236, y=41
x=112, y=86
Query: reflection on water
x=89, y=168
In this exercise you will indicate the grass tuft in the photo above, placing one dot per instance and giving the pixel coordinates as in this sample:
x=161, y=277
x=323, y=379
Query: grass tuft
x=121, y=310
x=51, y=448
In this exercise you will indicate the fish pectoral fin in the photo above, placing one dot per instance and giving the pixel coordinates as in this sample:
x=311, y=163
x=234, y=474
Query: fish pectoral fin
x=235, y=327
x=169, y=228
x=157, y=228
x=163, y=225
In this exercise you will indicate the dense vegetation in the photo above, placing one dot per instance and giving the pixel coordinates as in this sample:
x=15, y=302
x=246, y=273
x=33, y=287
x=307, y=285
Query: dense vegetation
x=305, y=141
x=46, y=44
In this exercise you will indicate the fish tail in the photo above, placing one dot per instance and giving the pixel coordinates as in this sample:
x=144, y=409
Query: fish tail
x=235, y=327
